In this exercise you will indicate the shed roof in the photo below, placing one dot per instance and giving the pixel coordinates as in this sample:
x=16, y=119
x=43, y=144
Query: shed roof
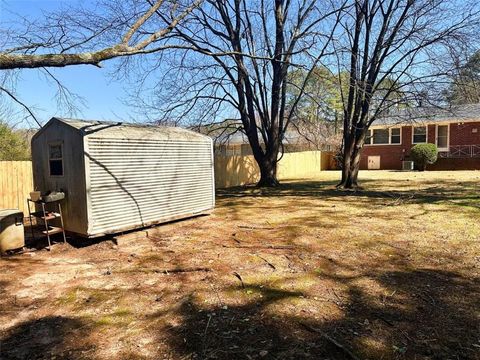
x=122, y=130
x=430, y=114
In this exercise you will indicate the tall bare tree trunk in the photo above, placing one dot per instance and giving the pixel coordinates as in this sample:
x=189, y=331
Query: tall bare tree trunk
x=268, y=171
x=351, y=165
x=267, y=163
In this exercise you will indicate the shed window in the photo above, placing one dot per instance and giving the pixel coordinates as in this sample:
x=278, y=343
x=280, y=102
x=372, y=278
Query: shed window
x=55, y=159
x=380, y=136
x=395, y=136
x=419, y=134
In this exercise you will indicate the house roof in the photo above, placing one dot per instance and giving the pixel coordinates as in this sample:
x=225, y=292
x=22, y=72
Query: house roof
x=292, y=136
x=295, y=135
x=122, y=130
x=470, y=112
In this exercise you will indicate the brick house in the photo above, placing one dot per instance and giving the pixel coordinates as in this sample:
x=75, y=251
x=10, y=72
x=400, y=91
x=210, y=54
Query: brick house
x=455, y=131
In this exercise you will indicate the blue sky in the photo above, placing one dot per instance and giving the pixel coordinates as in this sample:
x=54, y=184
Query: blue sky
x=101, y=95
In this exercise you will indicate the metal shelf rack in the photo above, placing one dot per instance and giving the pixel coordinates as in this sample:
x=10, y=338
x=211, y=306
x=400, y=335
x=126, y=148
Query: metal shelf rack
x=47, y=216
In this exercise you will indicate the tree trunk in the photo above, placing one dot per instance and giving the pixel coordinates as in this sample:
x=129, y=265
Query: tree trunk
x=268, y=172
x=351, y=166
x=349, y=178
x=267, y=162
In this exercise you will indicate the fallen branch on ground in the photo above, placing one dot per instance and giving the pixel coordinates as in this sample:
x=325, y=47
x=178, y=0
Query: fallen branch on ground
x=384, y=319
x=182, y=270
x=235, y=239
x=331, y=340
x=237, y=275
x=268, y=262
x=273, y=247
x=255, y=227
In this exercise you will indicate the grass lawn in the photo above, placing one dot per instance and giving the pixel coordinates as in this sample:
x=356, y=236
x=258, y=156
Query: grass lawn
x=302, y=271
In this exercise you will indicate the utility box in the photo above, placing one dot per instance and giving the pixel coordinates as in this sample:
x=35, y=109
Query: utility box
x=12, y=234
x=407, y=165
x=118, y=176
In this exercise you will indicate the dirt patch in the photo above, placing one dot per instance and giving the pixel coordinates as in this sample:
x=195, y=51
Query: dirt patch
x=302, y=271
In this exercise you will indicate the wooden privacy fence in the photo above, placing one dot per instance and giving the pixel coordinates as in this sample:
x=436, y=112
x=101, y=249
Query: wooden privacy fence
x=16, y=179
x=239, y=170
x=16, y=182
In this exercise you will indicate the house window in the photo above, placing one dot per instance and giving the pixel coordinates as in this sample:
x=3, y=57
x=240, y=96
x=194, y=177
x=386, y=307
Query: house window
x=442, y=136
x=380, y=136
x=55, y=159
x=383, y=136
x=368, y=137
x=419, y=134
x=395, y=136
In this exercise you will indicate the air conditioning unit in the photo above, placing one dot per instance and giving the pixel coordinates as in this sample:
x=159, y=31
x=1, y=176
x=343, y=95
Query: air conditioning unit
x=407, y=165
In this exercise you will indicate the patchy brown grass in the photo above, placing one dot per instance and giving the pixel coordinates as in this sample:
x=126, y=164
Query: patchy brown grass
x=302, y=271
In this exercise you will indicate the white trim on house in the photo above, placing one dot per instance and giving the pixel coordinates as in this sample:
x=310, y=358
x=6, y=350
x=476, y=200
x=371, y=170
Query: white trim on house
x=422, y=123
x=389, y=135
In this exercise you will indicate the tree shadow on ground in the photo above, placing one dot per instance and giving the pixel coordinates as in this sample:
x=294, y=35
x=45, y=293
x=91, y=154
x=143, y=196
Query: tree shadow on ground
x=461, y=194
x=422, y=314
x=245, y=331
x=425, y=314
x=46, y=338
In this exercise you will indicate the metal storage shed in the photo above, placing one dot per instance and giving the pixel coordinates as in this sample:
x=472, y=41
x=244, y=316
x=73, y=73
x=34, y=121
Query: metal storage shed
x=119, y=176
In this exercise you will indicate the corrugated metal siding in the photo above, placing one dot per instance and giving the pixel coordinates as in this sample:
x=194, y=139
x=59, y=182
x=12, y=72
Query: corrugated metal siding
x=137, y=182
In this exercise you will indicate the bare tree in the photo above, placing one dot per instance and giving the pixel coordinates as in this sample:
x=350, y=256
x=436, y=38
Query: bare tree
x=87, y=36
x=133, y=35
x=232, y=60
x=394, y=46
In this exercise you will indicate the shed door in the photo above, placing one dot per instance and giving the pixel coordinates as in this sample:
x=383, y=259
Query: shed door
x=374, y=163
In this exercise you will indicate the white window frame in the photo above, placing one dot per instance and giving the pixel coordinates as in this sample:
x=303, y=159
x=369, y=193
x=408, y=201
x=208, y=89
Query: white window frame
x=448, y=137
x=55, y=143
x=389, y=136
x=426, y=134
x=369, y=131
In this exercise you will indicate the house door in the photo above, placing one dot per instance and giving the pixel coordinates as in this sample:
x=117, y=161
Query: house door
x=374, y=163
